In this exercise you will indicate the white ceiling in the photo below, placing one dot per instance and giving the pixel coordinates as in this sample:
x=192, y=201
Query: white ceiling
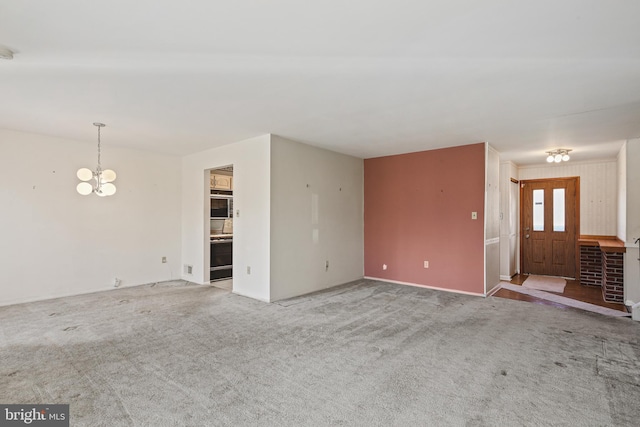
x=362, y=77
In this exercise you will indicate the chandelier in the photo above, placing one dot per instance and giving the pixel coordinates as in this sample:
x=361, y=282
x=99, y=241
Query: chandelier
x=98, y=181
x=559, y=155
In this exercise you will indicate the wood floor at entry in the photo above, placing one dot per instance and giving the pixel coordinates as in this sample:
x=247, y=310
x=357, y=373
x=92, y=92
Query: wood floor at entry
x=573, y=290
x=550, y=220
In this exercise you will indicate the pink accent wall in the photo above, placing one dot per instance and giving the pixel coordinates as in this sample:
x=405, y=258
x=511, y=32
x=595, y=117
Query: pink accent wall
x=418, y=207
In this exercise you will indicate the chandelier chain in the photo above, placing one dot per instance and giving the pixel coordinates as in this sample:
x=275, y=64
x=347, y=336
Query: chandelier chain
x=99, y=166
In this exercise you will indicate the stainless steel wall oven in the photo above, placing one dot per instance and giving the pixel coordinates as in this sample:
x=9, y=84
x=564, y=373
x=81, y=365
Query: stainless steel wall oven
x=221, y=263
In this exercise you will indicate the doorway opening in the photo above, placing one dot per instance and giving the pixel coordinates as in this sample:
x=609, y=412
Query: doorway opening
x=220, y=226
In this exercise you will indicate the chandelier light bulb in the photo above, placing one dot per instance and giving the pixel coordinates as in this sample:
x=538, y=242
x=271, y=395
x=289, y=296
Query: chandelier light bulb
x=109, y=189
x=108, y=175
x=84, y=188
x=558, y=155
x=84, y=174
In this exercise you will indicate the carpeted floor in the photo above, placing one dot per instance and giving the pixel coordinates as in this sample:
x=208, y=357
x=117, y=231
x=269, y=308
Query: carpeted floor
x=367, y=353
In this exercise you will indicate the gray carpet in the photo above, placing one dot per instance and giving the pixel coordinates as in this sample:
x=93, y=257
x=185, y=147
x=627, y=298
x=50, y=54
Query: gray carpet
x=363, y=354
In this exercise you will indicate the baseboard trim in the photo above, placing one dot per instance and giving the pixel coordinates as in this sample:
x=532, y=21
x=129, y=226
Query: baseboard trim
x=246, y=295
x=495, y=289
x=92, y=291
x=417, y=285
x=296, y=294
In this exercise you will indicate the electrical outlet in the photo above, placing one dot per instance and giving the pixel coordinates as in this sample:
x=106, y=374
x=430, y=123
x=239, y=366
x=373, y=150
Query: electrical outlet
x=164, y=259
x=188, y=269
x=474, y=215
x=248, y=269
x=326, y=266
x=116, y=282
x=426, y=264
x=384, y=266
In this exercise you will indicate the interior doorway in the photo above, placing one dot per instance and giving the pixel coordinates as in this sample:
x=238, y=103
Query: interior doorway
x=220, y=226
x=550, y=224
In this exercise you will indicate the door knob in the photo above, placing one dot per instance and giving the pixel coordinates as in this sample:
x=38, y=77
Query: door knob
x=527, y=236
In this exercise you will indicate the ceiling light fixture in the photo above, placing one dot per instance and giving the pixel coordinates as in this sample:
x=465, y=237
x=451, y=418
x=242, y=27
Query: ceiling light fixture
x=559, y=155
x=5, y=53
x=103, y=178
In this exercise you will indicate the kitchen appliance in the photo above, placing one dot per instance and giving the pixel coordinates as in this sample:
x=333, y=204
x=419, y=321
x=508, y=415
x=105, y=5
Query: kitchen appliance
x=221, y=261
x=221, y=206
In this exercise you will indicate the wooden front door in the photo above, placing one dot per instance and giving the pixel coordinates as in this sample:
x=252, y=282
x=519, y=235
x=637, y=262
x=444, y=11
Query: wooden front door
x=549, y=221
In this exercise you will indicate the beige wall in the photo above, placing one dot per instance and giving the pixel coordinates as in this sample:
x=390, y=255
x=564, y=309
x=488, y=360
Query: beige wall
x=492, y=220
x=622, y=193
x=251, y=196
x=56, y=242
x=300, y=206
x=632, y=205
x=509, y=220
x=316, y=218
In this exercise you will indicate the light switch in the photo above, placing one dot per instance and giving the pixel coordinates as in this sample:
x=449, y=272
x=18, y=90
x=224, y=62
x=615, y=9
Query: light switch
x=474, y=215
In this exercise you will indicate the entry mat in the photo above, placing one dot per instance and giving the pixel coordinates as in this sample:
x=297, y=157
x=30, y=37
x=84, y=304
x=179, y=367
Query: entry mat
x=545, y=283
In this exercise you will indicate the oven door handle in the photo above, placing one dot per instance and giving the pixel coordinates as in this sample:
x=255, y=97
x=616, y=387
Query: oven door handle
x=221, y=241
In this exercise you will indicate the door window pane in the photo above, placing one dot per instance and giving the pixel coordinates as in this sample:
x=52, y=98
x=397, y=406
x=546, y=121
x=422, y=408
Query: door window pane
x=538, y=210
x=558, y=209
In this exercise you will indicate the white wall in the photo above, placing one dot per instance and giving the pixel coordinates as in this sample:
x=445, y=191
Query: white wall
x=633, y=190
x=316, y=216
x=622, y=193
x=598, y=192
x=251, y=184
x=631, y=263
x=56, y=242
x=492, y=219
x=509, y=209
